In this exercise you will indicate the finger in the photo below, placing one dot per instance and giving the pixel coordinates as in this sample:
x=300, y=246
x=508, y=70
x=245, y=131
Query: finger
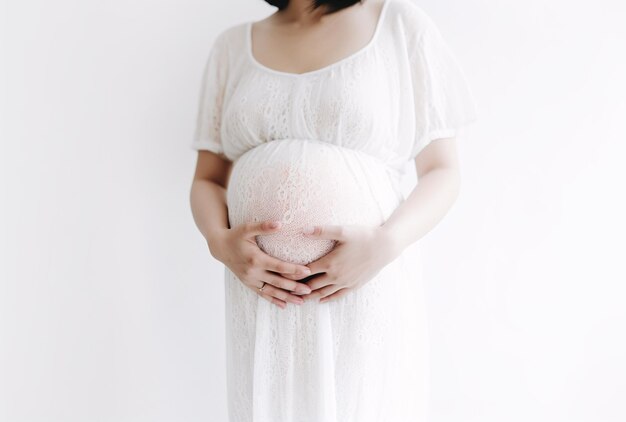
x=323, y=264
x=280, y=303
x=254, y=228
x=320, y=282
x=281, y=294
x=338, y=294
x=274, y=264
x=293, y=276
x=333, y=232
x=286, y=284
x=317, y=294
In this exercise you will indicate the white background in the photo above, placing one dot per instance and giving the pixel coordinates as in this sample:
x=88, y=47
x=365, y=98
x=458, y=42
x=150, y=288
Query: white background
x=111, y=308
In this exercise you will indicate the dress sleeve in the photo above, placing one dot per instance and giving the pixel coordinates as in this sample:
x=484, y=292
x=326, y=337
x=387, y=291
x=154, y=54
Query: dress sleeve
x=443, y=100
x=209, y=112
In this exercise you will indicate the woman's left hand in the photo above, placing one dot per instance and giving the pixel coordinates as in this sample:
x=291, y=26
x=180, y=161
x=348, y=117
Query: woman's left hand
x=360, y=253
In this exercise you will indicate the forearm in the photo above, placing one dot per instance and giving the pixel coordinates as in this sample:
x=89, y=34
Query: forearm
x=424, y=207
x=208, y=207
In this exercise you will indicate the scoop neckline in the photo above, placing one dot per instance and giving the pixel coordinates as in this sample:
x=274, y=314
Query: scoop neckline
x=361, y=50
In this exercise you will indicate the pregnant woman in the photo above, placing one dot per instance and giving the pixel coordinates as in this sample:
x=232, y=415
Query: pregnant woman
x=307, y=119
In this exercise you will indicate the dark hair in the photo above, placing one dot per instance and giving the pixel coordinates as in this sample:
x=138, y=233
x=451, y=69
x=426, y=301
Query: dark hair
x=332, y=5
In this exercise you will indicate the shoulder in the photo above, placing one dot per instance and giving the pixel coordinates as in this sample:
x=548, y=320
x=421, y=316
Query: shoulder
x=225, y=49
x=409, y=17
x=232, y=32
x=230, y=39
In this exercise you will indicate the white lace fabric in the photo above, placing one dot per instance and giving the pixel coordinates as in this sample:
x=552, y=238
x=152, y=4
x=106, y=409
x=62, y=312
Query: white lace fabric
x=328, y=147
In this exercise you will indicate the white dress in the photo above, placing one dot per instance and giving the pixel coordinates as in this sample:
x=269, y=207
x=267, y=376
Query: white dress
x=329, y=147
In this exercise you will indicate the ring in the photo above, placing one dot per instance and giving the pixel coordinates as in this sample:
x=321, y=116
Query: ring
x=263, y=285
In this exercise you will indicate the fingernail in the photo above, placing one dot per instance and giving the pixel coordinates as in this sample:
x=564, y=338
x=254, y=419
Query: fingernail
x=275, y=224
x=305, y=270
x=308, y=230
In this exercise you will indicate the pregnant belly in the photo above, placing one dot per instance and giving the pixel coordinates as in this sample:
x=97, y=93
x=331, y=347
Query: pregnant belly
x=301, y=183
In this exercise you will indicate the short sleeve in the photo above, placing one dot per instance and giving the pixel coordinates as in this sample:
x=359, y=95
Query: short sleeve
x=443, y=99
x=211, y=98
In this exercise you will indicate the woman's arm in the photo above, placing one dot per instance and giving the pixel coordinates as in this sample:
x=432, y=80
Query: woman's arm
x=208, y=195
x=362, y=251
x=438, y=172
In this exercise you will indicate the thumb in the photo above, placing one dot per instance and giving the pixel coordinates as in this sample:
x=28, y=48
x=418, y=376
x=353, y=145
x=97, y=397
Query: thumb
x=333, y=232
x=261, y=227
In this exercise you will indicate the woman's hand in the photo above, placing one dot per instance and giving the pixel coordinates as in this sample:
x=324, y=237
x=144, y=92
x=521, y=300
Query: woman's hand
x=237, y=249
x=360, y=253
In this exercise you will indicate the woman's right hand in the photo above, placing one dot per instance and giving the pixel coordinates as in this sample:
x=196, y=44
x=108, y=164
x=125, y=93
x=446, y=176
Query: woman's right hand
x=237, y=248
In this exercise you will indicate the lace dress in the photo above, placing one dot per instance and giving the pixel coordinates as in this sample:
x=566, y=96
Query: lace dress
x=329, y=147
